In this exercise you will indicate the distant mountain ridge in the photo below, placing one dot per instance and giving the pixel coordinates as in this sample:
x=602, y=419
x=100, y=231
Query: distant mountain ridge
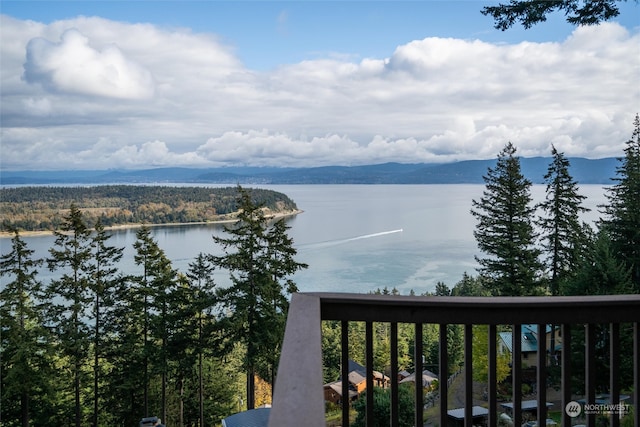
x=584, y=171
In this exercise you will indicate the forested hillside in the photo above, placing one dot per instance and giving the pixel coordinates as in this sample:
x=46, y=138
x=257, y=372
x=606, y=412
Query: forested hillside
x=586, y=171
x=43, y=208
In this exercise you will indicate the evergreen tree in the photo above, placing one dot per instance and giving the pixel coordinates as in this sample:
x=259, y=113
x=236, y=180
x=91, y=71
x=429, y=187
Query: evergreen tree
x=470, y=286
x=382, y=405
x=124, y=348
x=156, y=284
x=278, y=259
x=622, y=212
x=563, y=236
x=530, y=13
x=600, y=272
x=505, y=229
x=259, y=259
x=23, y=339
x=70, y=297
x=195, y=298
x=442, y=289
x=104, y=279
x=331, y=353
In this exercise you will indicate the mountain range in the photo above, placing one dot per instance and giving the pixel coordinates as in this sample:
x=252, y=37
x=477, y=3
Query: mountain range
x=584, y=171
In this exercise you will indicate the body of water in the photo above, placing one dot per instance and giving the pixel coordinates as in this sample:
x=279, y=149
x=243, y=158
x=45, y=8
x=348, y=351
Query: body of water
x=355, y=238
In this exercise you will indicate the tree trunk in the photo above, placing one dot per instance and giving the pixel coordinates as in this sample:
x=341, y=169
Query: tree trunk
x=201, y=391
x=24, y=408
x=95, y=364
x=251, y=388
x=181, y=422
x=77, y=392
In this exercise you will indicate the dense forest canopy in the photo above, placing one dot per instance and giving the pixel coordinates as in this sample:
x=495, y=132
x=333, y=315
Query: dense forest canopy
x=43, y=208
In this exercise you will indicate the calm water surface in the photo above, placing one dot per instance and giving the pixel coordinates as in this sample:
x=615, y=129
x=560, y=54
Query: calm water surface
x=355, y=238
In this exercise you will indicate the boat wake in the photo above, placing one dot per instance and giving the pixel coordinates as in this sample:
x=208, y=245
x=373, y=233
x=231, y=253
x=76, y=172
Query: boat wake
x=350, y=239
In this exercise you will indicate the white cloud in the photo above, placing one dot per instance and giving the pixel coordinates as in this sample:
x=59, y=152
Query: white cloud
x=112, y=94
x=72, y=65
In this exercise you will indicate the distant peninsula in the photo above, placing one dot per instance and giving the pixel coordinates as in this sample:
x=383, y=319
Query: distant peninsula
x=42, y=208
x=584, y=171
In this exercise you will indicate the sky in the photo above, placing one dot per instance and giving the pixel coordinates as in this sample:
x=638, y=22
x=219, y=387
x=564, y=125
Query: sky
x=141, y=84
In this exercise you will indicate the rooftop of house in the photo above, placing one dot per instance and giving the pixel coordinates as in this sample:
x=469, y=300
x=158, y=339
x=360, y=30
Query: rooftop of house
x=529, y=335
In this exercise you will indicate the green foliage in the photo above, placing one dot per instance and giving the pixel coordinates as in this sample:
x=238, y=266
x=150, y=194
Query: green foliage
x=382, y=407
x=470, y=286
x=157, y=283
x=628, y=419
x=600, y=272
x=505, y=230
x=42, y=208
x=104, y=279
x=563, y=236
x=529, y=13
x=331, y=351
x=72, y=253
x=97, y=347
x=25, y=352
x=622, y=220
x=260, y=259
x=480, y=354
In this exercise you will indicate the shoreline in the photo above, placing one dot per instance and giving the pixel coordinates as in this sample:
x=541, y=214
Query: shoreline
x=225, y=219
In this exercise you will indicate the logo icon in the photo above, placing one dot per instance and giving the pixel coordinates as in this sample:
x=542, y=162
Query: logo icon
x=573, y=409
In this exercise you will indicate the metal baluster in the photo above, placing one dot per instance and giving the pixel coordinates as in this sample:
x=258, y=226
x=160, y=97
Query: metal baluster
x=369, y=371
x=614, y=371
x=566, y=373
x=516, y=374
x=418, y=374
x=542, y=374
x=492, y=379
x=395, y=402
x=468, y=375
x=345, y=372
x=444, y=374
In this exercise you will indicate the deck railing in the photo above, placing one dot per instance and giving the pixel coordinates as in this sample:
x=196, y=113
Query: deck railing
x=299, y=399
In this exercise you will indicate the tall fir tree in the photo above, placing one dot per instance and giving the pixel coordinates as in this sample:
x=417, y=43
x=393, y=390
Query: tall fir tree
x=622, y=213
x=156, y=283
x=599, y=271
x=70, y=298
x=193, y=300
x=125, y=350
x=201, y=278
x=105, y=278
x=563, y=235
x=505, y=229
x=259, y=259
x=24, y=352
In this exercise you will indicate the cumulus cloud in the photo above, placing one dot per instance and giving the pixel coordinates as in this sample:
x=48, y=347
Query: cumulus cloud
x=104, y=94
x=72, y=65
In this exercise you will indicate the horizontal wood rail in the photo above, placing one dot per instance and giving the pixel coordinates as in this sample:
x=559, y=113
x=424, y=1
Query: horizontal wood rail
x=299, y=400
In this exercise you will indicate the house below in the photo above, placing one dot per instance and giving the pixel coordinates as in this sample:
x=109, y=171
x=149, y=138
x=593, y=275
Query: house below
x=456, y=416
x=529, y=344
